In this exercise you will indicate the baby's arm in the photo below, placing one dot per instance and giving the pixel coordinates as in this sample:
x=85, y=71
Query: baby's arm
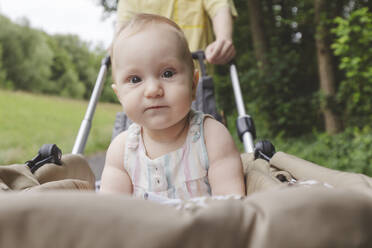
x=225, y=172
x=115, y=178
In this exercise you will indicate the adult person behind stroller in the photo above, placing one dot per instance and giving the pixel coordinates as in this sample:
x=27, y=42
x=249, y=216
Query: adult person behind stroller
x=197, y=20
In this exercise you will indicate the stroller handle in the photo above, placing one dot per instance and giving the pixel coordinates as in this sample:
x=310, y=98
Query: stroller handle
x=200, y=56
x=86, y=124
x=245, y=125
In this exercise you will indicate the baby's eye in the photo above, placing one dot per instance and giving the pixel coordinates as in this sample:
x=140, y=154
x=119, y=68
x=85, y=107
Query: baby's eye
x=134, y=79
x=168, y=74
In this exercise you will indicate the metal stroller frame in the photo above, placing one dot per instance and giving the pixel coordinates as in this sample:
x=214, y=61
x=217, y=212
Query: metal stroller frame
x=86, y=124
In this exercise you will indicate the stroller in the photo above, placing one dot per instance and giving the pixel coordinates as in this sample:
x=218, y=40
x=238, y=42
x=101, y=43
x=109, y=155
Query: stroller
x=277, y=163
x=290, y=202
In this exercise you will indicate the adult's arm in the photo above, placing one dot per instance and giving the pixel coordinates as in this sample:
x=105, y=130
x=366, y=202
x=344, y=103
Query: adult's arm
x=222, y=50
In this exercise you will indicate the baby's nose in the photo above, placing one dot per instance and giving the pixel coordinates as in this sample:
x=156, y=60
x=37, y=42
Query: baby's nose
x=153, y=88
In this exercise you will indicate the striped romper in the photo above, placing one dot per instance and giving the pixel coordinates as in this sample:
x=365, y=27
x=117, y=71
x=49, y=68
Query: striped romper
x=181, y=174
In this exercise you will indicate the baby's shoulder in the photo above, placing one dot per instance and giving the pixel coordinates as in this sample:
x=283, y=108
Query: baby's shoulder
x=120, y=138
x=130, y=135
x=115, y=152
x=212, y=126
x=217, y=136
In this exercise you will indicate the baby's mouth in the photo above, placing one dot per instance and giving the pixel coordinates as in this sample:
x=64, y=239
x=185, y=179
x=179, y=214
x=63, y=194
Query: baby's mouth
x=156, y=107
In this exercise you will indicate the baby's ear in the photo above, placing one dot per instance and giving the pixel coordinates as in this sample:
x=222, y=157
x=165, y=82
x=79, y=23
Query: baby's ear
x=195, y=83
x=113, y=86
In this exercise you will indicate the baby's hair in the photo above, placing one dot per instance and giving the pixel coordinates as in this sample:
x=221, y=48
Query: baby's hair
x=138, y=22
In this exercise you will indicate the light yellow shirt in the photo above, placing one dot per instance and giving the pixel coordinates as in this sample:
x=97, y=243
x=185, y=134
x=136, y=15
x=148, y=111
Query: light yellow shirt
x=193, y=16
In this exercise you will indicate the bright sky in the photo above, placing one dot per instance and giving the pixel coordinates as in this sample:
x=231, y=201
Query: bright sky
x=81, y=17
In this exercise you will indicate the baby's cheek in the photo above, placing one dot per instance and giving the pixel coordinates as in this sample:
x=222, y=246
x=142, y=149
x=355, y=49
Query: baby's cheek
x=185, y=101
x=129, y=104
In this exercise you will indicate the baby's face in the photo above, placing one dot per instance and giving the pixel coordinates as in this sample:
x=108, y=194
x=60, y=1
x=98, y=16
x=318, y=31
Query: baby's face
x=153, y=81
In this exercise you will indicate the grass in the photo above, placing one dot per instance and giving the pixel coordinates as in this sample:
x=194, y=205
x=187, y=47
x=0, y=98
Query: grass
x=27, y=121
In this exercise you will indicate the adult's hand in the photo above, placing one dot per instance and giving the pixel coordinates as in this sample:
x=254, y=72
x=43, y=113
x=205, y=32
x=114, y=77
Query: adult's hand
x=221, y=51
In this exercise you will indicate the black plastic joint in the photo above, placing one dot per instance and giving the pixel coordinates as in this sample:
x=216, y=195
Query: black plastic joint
x=245, y=124
x=207, y=82
x=48, y=153
x=200, y=56
x=106, y=61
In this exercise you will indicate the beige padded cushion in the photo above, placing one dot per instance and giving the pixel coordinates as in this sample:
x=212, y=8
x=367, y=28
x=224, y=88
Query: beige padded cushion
x=305, y=170
x=291, y=217
x=73, y=167
x=73, y=174
x=63, y=185
x=16, y=177
x=273, y=215
x=258, y=174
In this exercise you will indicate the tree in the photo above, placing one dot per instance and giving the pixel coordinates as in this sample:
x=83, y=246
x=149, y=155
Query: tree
x=26, y=56
x=109, y=6
x=82, y=60
x=2, y=71
x=281, y=100
x=325, y=66
x=256, y=20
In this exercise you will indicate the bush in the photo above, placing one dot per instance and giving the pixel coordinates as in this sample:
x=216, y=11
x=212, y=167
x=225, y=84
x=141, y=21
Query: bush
x=353, y=47
x=2, y=72
x=347, y=151
x=26, y=57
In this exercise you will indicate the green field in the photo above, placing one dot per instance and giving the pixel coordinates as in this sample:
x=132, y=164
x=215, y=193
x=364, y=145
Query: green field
x=27, y=121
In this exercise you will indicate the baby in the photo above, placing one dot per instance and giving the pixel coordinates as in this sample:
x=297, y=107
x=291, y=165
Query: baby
x=170, y=150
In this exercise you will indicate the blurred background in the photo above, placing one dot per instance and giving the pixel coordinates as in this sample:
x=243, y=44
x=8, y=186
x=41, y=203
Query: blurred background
x=305, y=69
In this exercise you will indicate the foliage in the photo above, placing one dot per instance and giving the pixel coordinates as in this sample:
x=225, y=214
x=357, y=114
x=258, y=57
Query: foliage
x=283, y=99
x=108, y=5
x=347, y=151
x=26, y=56
x=353, y=46
x=31, y=60
x=285, y=103
x=84, y=62
x=2, y=70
